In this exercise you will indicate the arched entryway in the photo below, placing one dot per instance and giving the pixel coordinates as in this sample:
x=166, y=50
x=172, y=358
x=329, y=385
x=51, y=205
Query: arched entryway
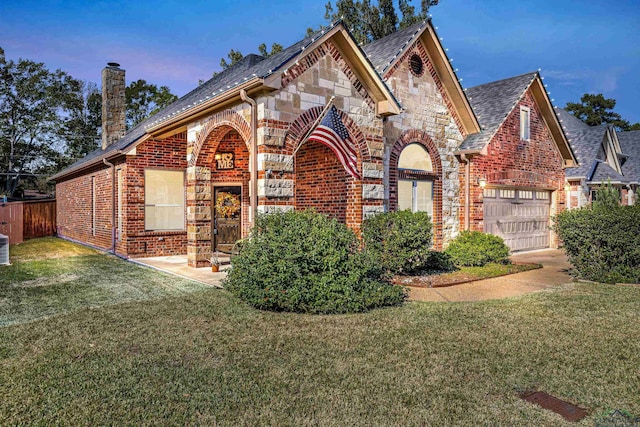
x=321, y=181
x=217, y=188
x=415, y=178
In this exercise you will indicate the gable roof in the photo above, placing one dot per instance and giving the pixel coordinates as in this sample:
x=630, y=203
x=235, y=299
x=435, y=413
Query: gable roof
x=603, y=173
x=387, y=51
x=587, y=144
x=384, y=51
x=493, y=102
x=570, y=123
x=630, y=144
x=253, y=73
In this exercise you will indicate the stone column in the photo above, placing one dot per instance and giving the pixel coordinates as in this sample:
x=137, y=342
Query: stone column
x=198, y=216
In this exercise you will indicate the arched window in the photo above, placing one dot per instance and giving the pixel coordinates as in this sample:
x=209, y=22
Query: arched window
x=415, y=180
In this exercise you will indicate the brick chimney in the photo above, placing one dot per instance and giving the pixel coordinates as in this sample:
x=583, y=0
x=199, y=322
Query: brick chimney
x=113, y=104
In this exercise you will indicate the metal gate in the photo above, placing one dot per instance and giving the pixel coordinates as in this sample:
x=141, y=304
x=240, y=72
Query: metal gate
x=520, y=217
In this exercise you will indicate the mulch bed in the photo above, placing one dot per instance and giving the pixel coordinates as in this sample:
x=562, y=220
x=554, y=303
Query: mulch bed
x=444, y=279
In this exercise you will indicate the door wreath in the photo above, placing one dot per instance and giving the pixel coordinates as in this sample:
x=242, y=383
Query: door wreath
x=227, y=204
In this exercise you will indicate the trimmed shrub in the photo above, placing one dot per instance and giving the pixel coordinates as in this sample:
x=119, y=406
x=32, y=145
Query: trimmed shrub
x=603, y=242
x=474, y=248
x=308, y=263
x=401, y=242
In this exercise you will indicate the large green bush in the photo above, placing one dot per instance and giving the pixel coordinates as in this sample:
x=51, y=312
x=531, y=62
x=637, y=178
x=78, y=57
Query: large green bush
x=306, y=262
x=603, y=242
x=474, y=248
x=401, y=242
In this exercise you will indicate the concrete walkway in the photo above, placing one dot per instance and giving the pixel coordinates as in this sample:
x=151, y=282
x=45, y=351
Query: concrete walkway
x=177, y=265
x=553, y=273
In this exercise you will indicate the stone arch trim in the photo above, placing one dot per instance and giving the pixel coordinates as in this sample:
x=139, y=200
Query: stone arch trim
x=300, y=126
x=216, y=127
x=415, y=136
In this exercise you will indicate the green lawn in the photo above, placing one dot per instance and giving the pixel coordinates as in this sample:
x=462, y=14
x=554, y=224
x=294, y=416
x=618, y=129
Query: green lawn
x=51, y=276
x=203, y=358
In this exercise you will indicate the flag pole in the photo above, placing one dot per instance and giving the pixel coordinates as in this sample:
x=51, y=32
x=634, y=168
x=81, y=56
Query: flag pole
x=315, y=124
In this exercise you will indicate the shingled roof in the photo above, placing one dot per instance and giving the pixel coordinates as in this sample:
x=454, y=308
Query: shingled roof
x=630, y=144
x=384, y=51
x=492, y=103
x=587, y=145
x=570, y=123
x=250, y=67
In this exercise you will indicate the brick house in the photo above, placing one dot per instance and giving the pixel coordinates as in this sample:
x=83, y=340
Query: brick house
x=514, y=174
x=602, y=160
x=192, y=178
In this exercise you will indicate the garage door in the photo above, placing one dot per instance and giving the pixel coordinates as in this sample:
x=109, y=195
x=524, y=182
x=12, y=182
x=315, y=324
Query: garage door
x=520, y=217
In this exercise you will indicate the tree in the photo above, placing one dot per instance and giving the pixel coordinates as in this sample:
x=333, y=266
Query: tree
x=596, y=110
x=144, y=100
x=369, y=22
x=81, y=129
x=236, y=56
x=34, y=104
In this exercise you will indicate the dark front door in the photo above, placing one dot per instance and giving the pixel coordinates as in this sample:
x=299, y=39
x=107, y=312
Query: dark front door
x=227, y=217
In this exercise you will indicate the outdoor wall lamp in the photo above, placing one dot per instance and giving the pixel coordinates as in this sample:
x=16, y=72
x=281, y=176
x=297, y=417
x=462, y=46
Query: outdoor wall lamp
x=482, y=182
x=218, y=156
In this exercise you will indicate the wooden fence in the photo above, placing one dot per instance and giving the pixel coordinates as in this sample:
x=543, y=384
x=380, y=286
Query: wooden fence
x=28, y=219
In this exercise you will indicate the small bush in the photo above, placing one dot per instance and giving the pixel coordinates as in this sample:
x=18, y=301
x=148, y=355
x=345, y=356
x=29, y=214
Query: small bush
x=474, y=248
x=401, y=241
x=305, y=262
x=602, y=243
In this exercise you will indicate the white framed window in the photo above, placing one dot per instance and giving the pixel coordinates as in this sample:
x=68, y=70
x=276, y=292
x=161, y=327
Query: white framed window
x=525, y=123
x=542, y=195
x=163, y=200
x=490, y=192
x=525, y=194
x=415, y=186
x=416, y=196
x=507, y=194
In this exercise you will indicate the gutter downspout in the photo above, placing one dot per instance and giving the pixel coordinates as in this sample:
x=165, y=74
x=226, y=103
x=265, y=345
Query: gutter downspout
x=467, y=196
x=254, y=155
x=113, y=205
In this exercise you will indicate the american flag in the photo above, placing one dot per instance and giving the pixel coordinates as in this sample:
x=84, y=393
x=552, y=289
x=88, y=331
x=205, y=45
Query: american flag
x=332, y=133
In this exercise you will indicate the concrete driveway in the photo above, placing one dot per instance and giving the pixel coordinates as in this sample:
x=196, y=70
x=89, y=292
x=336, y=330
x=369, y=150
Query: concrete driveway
x=554, y=273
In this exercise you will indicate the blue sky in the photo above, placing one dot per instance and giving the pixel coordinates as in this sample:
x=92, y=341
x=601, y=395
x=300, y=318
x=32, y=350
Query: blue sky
x=581, y=46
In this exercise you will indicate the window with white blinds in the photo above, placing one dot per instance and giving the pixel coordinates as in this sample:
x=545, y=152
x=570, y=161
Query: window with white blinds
x=163, y=200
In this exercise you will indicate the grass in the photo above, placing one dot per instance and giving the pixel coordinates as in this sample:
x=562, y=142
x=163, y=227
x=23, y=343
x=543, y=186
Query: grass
x=51, y=276
x=203, y=358
x=463, y=274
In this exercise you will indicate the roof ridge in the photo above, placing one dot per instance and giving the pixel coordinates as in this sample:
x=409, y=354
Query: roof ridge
x=505, y=79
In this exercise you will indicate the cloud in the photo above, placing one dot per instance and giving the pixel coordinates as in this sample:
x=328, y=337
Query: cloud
x=596, y=81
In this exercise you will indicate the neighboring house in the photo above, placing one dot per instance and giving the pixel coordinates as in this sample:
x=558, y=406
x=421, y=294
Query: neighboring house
x=630, y=144
x=601, y=161
x=192, y=178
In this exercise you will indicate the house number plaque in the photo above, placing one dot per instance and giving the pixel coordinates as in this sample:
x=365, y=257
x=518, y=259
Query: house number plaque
x=224, y=161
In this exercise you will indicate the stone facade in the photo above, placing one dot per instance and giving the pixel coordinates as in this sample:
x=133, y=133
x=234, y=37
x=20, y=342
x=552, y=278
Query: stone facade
x=113, y=104
x=429, y=119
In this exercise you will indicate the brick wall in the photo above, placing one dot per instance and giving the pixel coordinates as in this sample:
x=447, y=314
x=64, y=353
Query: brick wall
x=510, y=161
x=82, y=217
x=168, y=153
x=321, y=181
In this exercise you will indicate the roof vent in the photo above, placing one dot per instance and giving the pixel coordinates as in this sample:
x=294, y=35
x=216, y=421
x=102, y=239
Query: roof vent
x=416, y=65
x=4, y=249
